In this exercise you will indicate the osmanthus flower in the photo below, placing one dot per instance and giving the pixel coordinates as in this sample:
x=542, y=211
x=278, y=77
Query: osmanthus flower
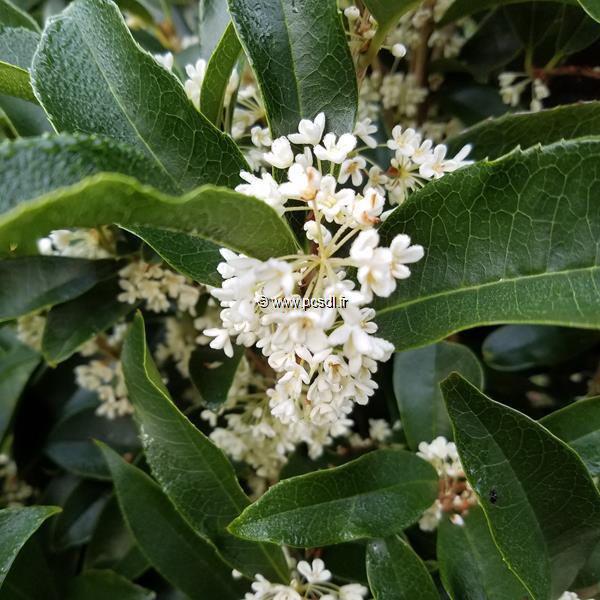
x=323, y=358
x=312, y=581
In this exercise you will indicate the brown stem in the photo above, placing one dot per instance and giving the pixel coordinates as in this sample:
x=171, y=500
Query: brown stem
x=420, y=61
x=568, y=70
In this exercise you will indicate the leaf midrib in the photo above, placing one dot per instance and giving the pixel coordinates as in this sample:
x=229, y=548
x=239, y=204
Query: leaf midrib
x=489, y=284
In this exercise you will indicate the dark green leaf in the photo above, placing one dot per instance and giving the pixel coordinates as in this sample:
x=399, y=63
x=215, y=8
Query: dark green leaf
x=32, y=283
x=14, y=81
x=218, y=72
x=194, y=473
x=592, y=7
x=538, y=497
x=471, y=565
x=219, y=215
x=180, y=555
x=518, y=347
x=300, y=56
x=508, y=241
x=213, y=19
x=13, y=16
x=73, y=323
x=17, y=363
x=90, y=76
x=213, y=383
x=347, y=561
x=388, y=12
x=189, y=254
x=397, y=573
x=100, y=585
x=17, y=525
x=112, y=545
x=579, y=426
x=26, y=118
x=70, y=443
x=496, y=137
x=377, y=494
x=417, y=377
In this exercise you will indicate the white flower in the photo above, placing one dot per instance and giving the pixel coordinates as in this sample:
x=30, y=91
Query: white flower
x=353, y=168
x=312, y=232
x=221, y=341
x=402, y=254
x=310, y=132
x=399, y=50
x=404, y=142
x=333, y=204
x=437, y=165
x=363, y=130
x=431, y=517
x=278, y=278
x=261, y=137
x=379, y=430
x=366, y=209
x=353, y=591
x=303, y=183
x=193, y=85
x=569, y=596
x=281, y=155
x=377, y=179
x=314, y=573
x=165, y=60
x=352, y=13
x=335, y=151
x=264, y=188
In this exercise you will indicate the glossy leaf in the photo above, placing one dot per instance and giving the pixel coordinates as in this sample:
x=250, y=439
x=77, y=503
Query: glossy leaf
x=387, y=13
x=12, y=16
x=113, y=546
x=218, y=71
x=14, y=81
x=194, y=256
x=578, y=425
x=31, y=283
x=99, y=585
x=518, y=347
x=196, y=475
x=464, y=8
x=592, y=8
x=525, y=478
x=70, y=325
x=495, y=137
x=417, y=377
x=511, y=241
x=219, y=215
x=180, y=555
x=17, y=363
x=17, y=525
x=471, y=565
x=90, y=76
x=378, y=494
x=300, y=56
x=212, y=374
x=396, y=572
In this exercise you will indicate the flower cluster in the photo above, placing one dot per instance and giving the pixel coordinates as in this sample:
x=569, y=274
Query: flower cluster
x=323, y=359
x=514, y=84
x=312, y=581
x=78, y=243
x=13, y=491
x=455, y=494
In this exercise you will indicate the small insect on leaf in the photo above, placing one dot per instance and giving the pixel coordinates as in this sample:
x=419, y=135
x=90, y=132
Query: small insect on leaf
x=493, y=496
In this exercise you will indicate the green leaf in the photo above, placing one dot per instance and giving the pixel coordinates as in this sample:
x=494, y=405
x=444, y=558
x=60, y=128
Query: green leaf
x=579, y=426
x=18, y=45
x=300, y=56
x=219, y=215
x=212, y=382
x=388, y=12
x=181, y=556
x=495, y=137
x=17, y=525
x=189, y=254
x=375, y=495
x=113, y=546
x=518, y=347
x=192, y=471
x=70, y=325
x=91, y=76
x=417, y=377
x=17, y=363
x=31, y=283
x=538, y=497
x=14, y=81
x=71, y=443
x=13, y=16
x=471, y=565
x=592, y=8
x=218, y=71
x=26, y=119
x=396, y=572
x=512, y=241
x=213, y=19
x=464, y=8
x=100, y=585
